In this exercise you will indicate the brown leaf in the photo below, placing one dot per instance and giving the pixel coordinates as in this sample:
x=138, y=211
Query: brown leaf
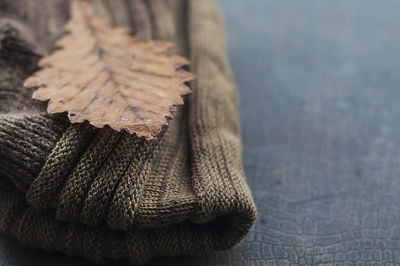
x=108, y=77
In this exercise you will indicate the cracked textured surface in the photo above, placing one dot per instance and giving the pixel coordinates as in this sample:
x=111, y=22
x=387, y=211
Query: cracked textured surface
x=319, y=86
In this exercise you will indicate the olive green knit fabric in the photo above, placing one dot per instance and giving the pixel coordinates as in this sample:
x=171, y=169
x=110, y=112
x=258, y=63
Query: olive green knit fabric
x=102, y=194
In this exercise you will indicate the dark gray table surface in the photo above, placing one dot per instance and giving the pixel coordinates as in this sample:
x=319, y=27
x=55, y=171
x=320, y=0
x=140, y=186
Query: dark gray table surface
x=320, y=107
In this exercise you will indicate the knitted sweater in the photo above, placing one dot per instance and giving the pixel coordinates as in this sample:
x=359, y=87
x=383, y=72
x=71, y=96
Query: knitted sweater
x=102, y=194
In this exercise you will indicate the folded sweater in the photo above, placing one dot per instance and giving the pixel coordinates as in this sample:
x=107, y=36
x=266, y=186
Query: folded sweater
x=102, y=194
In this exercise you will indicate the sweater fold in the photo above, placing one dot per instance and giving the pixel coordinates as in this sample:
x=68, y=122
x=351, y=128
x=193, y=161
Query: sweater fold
x=102, y=194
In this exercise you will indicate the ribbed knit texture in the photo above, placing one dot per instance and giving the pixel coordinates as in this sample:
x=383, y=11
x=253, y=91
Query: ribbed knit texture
x=103, y=194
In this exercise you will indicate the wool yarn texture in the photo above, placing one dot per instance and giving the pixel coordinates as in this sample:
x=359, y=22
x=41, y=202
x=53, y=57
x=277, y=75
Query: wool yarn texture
x=107, y=195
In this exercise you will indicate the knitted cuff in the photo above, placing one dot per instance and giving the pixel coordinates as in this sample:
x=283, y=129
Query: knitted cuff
x=102, y=194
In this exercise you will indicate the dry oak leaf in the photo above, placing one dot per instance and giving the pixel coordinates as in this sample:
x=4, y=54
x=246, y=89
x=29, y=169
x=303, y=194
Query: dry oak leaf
x=107, y=76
